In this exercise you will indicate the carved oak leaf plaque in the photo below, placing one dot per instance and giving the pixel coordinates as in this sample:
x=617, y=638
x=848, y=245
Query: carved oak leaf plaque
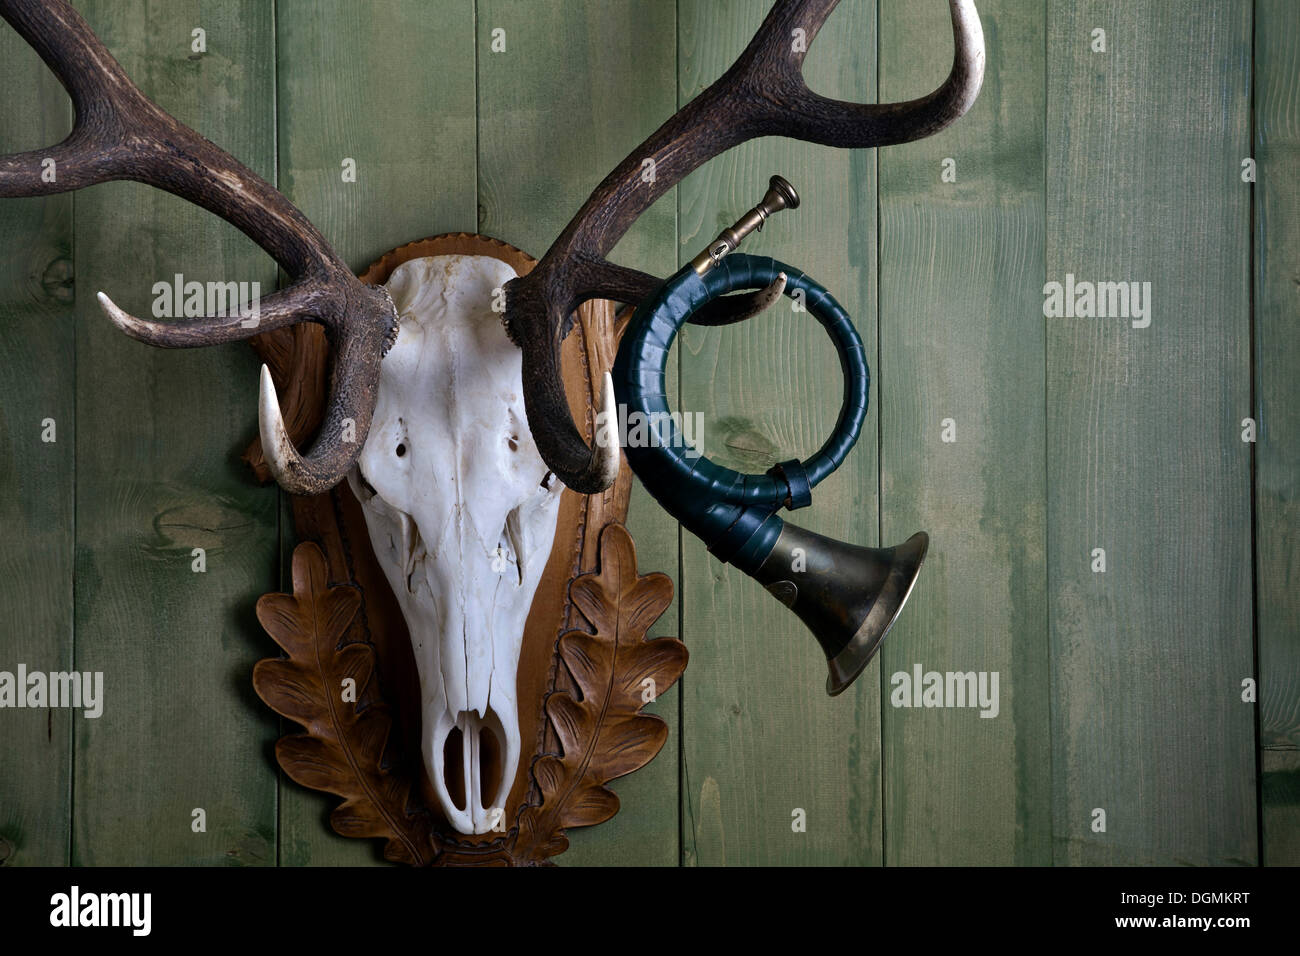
x=346, y=733
x=585, y=649
x=617, y=671
x=601, y=730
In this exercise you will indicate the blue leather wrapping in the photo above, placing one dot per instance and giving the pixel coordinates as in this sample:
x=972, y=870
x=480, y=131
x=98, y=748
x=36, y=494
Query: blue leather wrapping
x=733, y=513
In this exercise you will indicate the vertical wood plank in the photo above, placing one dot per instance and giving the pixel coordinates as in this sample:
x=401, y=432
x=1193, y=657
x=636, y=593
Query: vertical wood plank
x=1281, y=799
x=761, y=738
x=37, y=373
x=579, y=84
x=1145, y=457
x=395, y=93
x=1277, y=399
x=158, y=441
x=961, y=338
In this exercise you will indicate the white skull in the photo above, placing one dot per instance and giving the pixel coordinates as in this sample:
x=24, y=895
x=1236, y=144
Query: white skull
x=461, y=512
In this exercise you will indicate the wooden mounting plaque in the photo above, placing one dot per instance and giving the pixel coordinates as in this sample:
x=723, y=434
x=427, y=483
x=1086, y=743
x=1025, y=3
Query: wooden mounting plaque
x=582, y=669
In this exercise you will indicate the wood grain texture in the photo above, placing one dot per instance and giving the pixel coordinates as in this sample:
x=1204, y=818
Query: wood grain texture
x=1134, y=433
x=1281, y=802
x=961, y=337
x=1145, y=457
x=546, y=137
x=395, y=93
x=1277, y=408
x=37, y=378
x=158, y=475
x=761, y=738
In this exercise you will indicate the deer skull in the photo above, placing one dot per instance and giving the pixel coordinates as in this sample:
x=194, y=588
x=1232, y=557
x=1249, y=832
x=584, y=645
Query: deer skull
x=461, y=512
x=460, y=507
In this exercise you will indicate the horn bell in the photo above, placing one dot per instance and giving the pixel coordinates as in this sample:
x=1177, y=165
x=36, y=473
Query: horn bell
x=848, y=596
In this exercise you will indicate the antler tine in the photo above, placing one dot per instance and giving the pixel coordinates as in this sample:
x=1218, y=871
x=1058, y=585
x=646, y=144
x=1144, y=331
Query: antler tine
x=797, y=112
x=762, y=94
x=120, y=134
x=285, y=307
x=354, y=381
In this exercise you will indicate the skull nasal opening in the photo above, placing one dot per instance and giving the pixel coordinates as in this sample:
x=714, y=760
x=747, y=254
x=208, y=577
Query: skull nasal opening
x=490, y=766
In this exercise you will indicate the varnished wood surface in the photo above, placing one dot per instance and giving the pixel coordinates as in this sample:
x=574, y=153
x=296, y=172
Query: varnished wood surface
x=961, y=338
x=1277, y=476
x=1144, y=452
x=37, y=479
x=155, y=479
x=762, y=739
x=1119, y=691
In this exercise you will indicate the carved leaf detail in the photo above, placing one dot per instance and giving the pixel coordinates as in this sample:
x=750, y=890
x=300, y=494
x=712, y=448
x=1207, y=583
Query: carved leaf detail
x=341, y=751
x=602, y=732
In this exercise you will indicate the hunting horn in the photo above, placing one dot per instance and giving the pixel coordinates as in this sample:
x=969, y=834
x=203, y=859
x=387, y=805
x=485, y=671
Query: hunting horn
x=848, y=596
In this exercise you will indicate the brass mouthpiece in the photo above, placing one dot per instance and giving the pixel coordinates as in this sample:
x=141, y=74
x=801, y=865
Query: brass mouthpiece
x=780, y=195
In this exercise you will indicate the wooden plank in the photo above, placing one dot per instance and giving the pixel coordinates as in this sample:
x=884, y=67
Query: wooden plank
x=761, y=738
x=158, y=474
x=961, y=338
x=1277, y=398
x=36, y=484
x=579, y=84
x=395, y=93
x=1281, y=806
x=1145, y=457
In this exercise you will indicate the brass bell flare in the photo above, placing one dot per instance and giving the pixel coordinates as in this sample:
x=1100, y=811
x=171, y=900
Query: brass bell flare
x=848, y=596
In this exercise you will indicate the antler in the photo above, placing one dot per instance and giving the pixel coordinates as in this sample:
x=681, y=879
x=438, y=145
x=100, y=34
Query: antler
x=763, y=94
x=120, y=134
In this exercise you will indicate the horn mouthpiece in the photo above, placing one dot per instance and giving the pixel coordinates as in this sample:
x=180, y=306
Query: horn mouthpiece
x=780, y=195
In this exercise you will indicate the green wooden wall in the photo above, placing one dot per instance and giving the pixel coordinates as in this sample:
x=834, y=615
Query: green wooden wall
x=1024, y=445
